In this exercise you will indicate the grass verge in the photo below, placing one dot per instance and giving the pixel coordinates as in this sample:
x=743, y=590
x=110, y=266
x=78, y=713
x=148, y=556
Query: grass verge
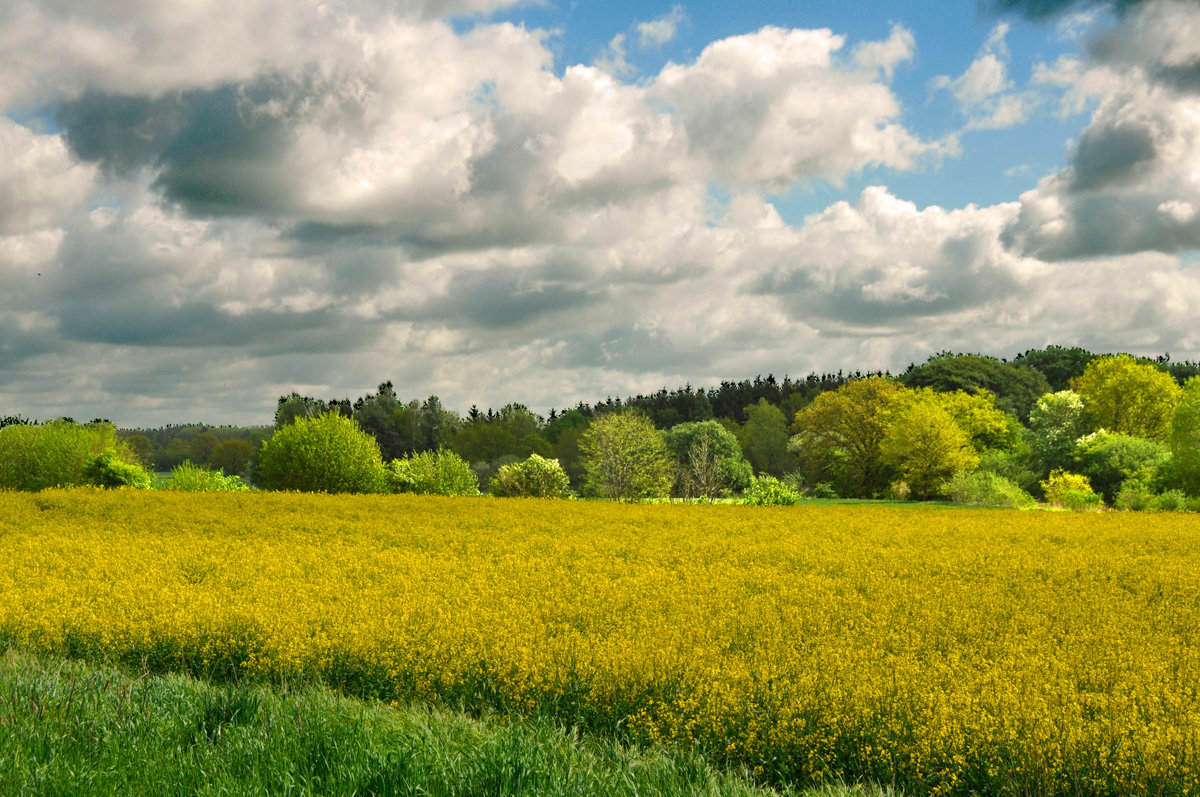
x=71, y=727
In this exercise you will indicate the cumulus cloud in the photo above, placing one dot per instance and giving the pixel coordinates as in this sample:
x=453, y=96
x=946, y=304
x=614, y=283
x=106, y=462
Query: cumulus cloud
x=776, y=106
x=985, y=92
x=235, y=200
x=1135, y=172
x=40, y=185
x=662, y=30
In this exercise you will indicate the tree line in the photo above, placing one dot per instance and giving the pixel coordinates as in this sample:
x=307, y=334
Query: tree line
x=1049, y=421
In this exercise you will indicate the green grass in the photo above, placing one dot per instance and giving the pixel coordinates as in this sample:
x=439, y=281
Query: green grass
x=73, y=728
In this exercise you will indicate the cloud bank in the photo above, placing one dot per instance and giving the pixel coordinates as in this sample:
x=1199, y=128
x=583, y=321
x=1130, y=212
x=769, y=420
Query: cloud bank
x=213, y=203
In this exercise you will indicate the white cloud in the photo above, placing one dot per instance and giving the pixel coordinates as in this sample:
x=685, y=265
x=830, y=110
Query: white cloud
x=775, y=107
x=40, y=185
x=1127, y=188
x=985, y=92
x=886, y=55
x=662, y=30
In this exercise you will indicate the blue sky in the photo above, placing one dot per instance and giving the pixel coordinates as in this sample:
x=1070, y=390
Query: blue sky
x=208, y=205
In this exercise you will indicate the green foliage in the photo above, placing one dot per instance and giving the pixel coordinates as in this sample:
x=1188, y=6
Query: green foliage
x=202, y=446
x=1108, y=459
x=55, y=454
x=708, y=460
x=1173, y=501
x=438, y=472
x=1137, y=494
x=838, y=437
x=535, y=477
x=1015, y=386
x=1058, y=364
x=232, y=456
x=925, y=444
x=986, y=488
x=294, y=406
x=986, y=426
x=769, y=491
x=1056, y=424
x=1014, y=466
x=1128, y=397
x=191, y=478
x=1184, y=439
x=323, y=453
x=1070, y=490
x=626, y=458
x=108, y=470
x=515, y=431
x=764, y=438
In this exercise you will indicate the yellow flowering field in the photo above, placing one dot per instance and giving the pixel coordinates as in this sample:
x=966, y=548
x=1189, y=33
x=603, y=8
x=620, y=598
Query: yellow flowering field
x=942, y=650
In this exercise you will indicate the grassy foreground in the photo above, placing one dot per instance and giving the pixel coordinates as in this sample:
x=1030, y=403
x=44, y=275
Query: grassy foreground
x=956, y=651
x=75, y=728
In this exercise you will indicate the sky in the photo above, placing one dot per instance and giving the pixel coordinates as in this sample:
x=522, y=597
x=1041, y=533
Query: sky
x=205, y=205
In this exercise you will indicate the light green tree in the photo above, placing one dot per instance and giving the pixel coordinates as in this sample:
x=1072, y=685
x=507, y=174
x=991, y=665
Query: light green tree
x=1125, y=396
x=925, y=444
x=625, y=458
x=535, y=477
x=1184, y=440
x=838, y=435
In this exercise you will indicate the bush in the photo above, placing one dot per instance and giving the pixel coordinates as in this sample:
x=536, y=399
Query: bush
x=769, y=491
x=1173, y=501
x=55, y=454
x=536, y=477
x=1136, y=494
x=1108, y=459
x=986, y=488
x=191, y=478
x=1069, y=490
x=323, y=453
x=1079, y=500
x=434, y=472
x=107, y=470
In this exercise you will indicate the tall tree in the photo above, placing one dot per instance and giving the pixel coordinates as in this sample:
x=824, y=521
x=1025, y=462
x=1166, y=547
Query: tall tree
x=765, y=439
x=626, y=458
x=838, y=435
x=1125, y=396
x=1184, y=440
x=925, y=444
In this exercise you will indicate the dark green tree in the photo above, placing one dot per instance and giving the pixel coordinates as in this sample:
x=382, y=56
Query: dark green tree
x=1016, y=387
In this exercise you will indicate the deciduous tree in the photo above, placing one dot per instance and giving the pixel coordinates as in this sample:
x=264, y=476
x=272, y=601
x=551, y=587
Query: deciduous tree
x=626, y=458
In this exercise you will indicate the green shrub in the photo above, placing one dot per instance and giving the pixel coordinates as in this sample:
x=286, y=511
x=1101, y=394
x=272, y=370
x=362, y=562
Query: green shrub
x=1079, y=500
x=1172, y=501
x=107, y=470
x=323, y=453
x=986, y=488
x=1137, y=494
x=1069, y=490
x=191, y=478
x=439, y=472
x=769, y=491
x=535, y=477
x=1109, y=459
x=826, y=490
x=55, y=454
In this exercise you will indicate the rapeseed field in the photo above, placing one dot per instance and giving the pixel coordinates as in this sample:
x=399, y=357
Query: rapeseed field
x=942, y=651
